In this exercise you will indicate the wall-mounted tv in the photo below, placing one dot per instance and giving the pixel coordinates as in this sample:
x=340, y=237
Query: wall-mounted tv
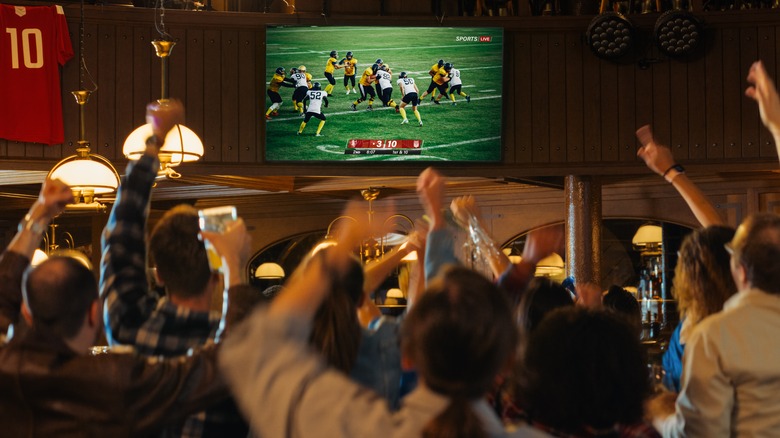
x=462, y=125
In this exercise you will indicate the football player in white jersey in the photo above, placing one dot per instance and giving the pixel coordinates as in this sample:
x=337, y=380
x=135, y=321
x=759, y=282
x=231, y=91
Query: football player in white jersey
x=410, y=97
x=302, y=81
x=455, y=86
x=383, y=78
x=315, y=98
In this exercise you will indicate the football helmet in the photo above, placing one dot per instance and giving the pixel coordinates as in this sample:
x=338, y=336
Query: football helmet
x=333, y=54
x=315, y=86
x=440, y=63
x=280, y=71
x=402, y=75
x=379, y=61
x=375, y=67
x=302, y=69
x=447, y=66
x=349, y=55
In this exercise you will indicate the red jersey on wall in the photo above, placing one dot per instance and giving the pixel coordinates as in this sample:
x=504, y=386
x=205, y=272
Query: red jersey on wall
x=34, y=42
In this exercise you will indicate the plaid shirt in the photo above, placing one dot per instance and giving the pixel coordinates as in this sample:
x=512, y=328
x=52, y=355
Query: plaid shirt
x=138, y=316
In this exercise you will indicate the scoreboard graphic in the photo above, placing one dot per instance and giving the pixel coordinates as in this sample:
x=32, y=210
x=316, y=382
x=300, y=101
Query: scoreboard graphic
x=383, y=147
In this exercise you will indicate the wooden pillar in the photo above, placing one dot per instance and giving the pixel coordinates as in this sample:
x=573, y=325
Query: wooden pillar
x=583, y=228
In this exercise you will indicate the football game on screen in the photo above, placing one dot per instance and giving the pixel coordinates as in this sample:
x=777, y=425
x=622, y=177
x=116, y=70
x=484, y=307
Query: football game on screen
x=378, y=93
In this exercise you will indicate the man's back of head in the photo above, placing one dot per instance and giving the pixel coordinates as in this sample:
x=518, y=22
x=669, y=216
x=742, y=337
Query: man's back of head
x=58, y=294
x=756, y=247
x=178, y=253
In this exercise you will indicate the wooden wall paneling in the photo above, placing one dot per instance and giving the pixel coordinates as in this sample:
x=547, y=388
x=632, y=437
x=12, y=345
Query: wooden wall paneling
x=70, y=110
x=697, y=102
x=592, y=114
x=733, y=209
x=248, y=114
x=575, y=107
x=212, y=83
x=644, y=101
x=124, y=110
x=557, y=97
x=661, y=86
x=509, y=104
x=609, y=112
x=104, y=100
x=769, y=202
x=767, y=51
x=351, y=7
x=142, y=74
x=679, y=111
x=177, y=65
x=732, y=95
x=91, y=108
x=627, y=124
x=194, y=98
x=523, y=121
x=714, y=108
x=540, y=97
x=748, y=53
x=229, y=86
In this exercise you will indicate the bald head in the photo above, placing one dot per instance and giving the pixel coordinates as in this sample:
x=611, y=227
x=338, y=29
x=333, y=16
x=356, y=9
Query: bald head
x=59, y=293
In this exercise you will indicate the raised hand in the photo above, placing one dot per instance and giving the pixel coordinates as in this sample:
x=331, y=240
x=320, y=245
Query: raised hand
x=542, y=242
x=163, y=115
x=465, y=207
x=54, y=196
x=763, y=91
x=657, y=157
x=430, y=189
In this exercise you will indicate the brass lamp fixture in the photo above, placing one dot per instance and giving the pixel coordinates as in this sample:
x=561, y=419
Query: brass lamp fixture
x=181, y=143
x=374, y=247
x=86, y=173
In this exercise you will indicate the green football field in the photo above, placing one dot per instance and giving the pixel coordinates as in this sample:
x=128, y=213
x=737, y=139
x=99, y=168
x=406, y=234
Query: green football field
x=462, y=132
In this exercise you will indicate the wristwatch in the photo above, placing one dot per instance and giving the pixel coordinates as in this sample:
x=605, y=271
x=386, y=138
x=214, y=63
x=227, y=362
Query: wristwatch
x=29, y=224
x=672, y=172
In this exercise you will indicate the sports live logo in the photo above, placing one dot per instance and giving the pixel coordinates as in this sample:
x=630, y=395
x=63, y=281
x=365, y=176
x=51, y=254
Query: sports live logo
x=481, y=38
x=485, y=39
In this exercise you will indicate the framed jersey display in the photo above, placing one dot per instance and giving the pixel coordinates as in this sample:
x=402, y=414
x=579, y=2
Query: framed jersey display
x=34, y=43
x=383, y=93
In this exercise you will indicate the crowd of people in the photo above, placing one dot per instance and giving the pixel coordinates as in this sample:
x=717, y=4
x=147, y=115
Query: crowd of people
x=502, y=355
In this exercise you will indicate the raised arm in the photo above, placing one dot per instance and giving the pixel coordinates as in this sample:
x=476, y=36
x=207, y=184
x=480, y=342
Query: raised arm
x=660, y=160
x=123, y=281
x=439, y=250
x=763, y=91
x=53, y=198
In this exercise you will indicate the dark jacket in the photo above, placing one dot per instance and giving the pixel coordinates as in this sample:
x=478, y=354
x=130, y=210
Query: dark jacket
x=48, y=390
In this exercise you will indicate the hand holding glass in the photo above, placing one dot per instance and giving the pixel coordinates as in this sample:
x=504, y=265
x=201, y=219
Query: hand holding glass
x=216, y=219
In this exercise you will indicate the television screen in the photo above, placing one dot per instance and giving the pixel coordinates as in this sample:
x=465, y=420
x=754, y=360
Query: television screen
x=341, y=93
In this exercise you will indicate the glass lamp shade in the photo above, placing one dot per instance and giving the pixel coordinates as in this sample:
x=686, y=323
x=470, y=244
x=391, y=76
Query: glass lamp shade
x=38, y=257
x=91, y=174
x=181, y=145
x=269, y=271
x=647, y=236
x=550, y=266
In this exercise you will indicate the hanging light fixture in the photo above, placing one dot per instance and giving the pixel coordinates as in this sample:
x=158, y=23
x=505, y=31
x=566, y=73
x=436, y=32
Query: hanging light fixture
x=181, y=143
x=269, y=271
x=86, y=173
x=610, y=35
x=649, y=237
x=373, y=248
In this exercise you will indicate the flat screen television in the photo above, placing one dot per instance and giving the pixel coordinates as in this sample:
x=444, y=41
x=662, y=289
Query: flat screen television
x=465, y=129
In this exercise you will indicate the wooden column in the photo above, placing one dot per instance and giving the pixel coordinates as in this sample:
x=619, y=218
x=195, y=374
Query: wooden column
x=583, y=228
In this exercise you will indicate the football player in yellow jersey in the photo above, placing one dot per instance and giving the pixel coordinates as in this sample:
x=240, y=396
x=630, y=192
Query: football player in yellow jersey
x=442, y=80
x=349, y=64
x=330, y=67
x=433, y=85
x=279, y=80
x=366, y=89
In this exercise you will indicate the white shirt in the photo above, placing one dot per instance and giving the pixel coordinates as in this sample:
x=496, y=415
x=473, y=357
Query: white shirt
x=407, y=85
x=315, y=101
x=300, y=79
x=455, y=74
x=730, y=384
x=384, y=79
